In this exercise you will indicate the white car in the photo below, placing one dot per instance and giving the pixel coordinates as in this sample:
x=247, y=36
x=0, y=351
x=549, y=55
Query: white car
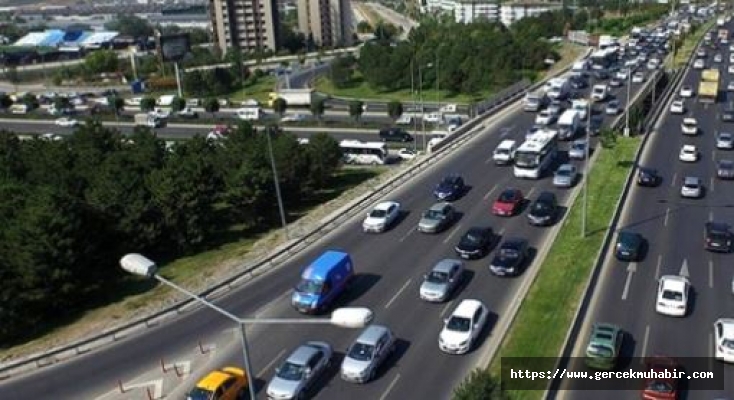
x=381, y=217
x=638, y=77
x=51, y=137
x=463, y=327
x=688, y=153
x=404, y=120
x=692, y=188
x=673, y=295
x=730, y=86
x=699, y=64
x=294, y=118
x=160, y=113
x=718, y=58
x=66, y=122
x=724, y=141
x=581, y=107
x=406, y=154
x=724, y=339
x=677, y=107
x=686, y=91
x=689, y=126
x=545, y=117
x=622, y=74
x=433, y=118
x=731, y=69
x=599, y=92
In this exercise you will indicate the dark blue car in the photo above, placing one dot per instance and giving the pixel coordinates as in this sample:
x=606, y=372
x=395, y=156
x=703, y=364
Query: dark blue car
x=450, y=188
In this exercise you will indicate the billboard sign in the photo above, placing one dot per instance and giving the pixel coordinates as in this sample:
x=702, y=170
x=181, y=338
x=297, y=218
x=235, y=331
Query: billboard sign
x=174, y=47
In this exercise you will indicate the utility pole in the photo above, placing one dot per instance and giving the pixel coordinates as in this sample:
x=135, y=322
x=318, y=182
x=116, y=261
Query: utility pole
x=585, y=203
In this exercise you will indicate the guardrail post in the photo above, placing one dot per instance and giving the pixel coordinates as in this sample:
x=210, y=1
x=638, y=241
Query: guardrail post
x=163, y=366
x=150, y=395
x=119, y=384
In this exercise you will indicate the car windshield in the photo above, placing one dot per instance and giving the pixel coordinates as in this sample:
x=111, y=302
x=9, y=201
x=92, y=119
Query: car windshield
x=729, y=344
x=725, y=137
x=541, y=206
x=433, y=214
x=361, y=352
x=726, y=165
x=507, y=197
x=564, y=172
x=599, y=350
x=378, y=214
x=508, y=253
x=459, y=324
x=579, y=146
x=658, y=386
x=309, y=286
x=691, y=184
x=199, y=394
x=672, y=295
x=437, y=277
x=527, y=160
x=290, y=372
x=689, y=124
x=502, y=151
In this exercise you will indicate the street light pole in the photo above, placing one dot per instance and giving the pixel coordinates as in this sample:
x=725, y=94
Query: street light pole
x=438, y=88
x=283, y=221
x=423, y=110
x=627, y=113
x=412, y=97
x=585, y=203
x=355, y=317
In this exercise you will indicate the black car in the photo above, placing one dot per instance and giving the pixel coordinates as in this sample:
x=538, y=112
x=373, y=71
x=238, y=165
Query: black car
x=395, y=135
x=475, y=243
x=728, y=114
x=601, y=75
x=718, y=237
x=629, y=246
x=725, y=169
x=596, y=124
x=578, y=82
x=510, y=257
x=543, y=210
x=450, y=188
x=648, y=177
x=615, y=82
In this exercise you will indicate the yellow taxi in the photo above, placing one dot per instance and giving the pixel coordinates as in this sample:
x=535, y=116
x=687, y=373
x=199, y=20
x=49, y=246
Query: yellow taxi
x=229, y=383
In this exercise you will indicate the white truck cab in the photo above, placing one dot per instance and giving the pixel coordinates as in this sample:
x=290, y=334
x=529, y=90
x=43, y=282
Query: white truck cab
x=505, y=152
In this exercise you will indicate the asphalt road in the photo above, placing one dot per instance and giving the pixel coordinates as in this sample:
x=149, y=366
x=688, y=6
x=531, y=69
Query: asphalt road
x=390, y=267
x=674, y=228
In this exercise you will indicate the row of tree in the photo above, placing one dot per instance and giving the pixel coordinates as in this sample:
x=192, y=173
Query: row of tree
x=70, y=209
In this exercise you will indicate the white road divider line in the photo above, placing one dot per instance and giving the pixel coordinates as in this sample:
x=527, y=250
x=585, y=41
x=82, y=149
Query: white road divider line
x=672, y=181
x=445, y=308
x=657, y=267
x=711, y=274
x=389, y=387
x=407, y=234
x=489, y=193
x=270, y=364
x=645, y=340
x=405, y=286
x=451, y=234
x=667, y=215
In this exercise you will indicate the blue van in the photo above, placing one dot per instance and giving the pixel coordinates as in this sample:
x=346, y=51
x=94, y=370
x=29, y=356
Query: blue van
x=323, y=281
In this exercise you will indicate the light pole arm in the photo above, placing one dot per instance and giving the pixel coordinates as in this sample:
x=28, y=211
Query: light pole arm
x=199, y=299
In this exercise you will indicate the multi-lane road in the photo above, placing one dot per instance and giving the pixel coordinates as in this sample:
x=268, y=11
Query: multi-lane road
x=390, y=268
x=674, y=228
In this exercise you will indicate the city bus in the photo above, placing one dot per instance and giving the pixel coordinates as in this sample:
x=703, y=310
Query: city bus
x=358, y=152
x=535, y=154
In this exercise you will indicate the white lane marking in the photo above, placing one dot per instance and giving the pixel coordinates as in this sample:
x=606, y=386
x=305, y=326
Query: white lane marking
x=486, y=196
x=270, y=364
x=451, y=234
x=644, y=342
x=711, y=274
x=408, y=233
x=501, y=231
x=631, y=269
x=530, y=192
x=657, y=267
x=405, y=286
x=713, y=352
x=389, y=387
x=667, y=214
x=711, y=216
x=712, y=184
x=445, y=308
x=672, y=181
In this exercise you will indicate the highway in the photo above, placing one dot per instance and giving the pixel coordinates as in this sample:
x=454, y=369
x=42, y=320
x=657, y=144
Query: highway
x=394, y=18
x=674, y=228
x=389, y=267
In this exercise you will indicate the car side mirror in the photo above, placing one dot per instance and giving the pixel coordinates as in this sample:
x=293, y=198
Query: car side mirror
x=445, y=320
x=425, y=276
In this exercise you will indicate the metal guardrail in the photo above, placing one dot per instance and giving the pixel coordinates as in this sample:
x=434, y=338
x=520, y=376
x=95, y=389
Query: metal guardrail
x=274, y=259
x=575, y=327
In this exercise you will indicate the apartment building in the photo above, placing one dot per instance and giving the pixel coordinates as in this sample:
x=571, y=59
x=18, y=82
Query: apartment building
x=515, y=11
x=328, y=21
x=247, y=24
x=467, y=11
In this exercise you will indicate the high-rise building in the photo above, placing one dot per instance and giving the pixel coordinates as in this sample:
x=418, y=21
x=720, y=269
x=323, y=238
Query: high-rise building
x=329, y=22
x=246, y=24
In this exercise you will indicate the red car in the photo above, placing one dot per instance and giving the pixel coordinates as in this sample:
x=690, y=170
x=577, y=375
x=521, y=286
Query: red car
x=661, y=388
x=508, y=203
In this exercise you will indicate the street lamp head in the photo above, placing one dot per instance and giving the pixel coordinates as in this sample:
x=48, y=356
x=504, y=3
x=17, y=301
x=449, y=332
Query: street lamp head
x=352, y=317
x=137, y=264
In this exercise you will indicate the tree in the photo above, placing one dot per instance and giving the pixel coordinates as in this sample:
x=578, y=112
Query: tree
x=479, y=385
x=131, y=25
x=147, y=104
x=194, y=84
x=211, y=105
x=101, y=61
x=178, y=104
x=31, y=101
x=364, y=27
x=356, y=108
x=117, y=104
x=62, y=103
x=342, y=71
x=394, y=109
x=5, y=101
x=11, y=74
x=318, y=106
x=291, y=40
x=324, y=156
x=280, y=106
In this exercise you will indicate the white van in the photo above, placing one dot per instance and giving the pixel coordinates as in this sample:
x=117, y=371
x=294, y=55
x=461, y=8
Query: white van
x=19, y=109
x=249, y=113
x=165, y=101
x=599, y=92
x=505, y=152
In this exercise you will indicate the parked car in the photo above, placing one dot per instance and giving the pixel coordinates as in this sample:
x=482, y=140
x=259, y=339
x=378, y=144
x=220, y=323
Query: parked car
x=724, y=141
x=368, y=352
x=300, y=371
x=406, y=154
x=442, y=280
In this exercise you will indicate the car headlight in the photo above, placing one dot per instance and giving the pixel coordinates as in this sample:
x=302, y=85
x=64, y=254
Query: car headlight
x=464, y=343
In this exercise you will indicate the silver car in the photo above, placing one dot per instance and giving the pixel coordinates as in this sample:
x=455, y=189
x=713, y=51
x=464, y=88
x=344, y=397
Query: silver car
x=692, y=187
x=724, y=141
x=565, y=176
x=299, y=371
x=364, y=357
x=442, y=280
x=578, y=150
x=437, y=218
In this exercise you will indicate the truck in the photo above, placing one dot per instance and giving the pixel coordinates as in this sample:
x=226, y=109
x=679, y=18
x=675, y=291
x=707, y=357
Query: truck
x=708, y=88
x=568, y=124
x=292, y=97
x=322, y=282
x=165, y=100
x=149, y=120
x=557, y=88
x=534, y=101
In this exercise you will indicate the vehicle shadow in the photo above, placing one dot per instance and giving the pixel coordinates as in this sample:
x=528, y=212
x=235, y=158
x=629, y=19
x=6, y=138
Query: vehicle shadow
x=402, y=216
x=393, y=361
x=361, y=284
x=528, y=261
x=261, y=385
x=329, y=374
x=466, y=277
x=627, y=352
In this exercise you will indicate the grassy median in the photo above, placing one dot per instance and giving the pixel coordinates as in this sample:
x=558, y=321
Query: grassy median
x=542, y=322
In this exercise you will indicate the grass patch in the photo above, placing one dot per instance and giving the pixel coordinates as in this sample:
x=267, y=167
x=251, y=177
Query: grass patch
x=690, y=44
x=541, y=324
x=258, y=90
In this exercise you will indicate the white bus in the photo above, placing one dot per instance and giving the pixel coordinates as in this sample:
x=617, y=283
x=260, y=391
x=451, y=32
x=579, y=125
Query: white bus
x=358, y=152
x=535, y=154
